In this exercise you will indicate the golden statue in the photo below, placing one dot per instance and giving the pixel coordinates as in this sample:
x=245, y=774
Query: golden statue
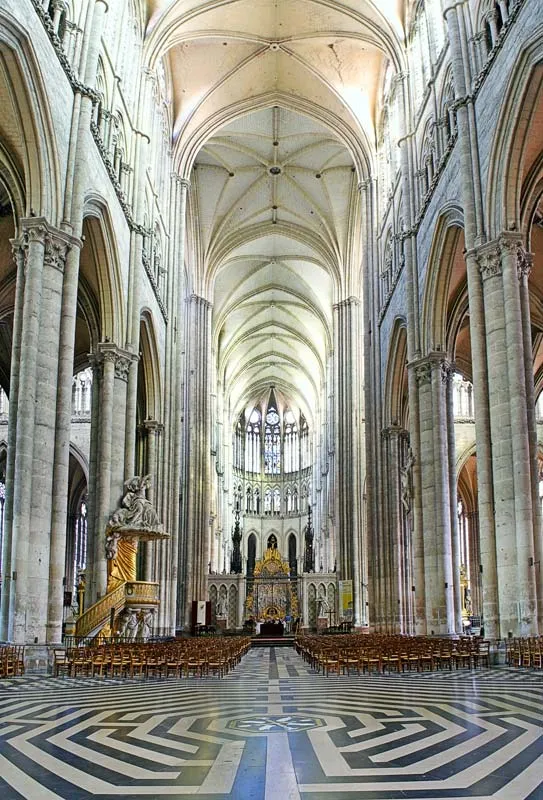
x=121, y=566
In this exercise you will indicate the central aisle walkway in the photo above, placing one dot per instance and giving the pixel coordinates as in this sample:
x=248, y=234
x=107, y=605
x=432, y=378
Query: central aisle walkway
x=273, y=730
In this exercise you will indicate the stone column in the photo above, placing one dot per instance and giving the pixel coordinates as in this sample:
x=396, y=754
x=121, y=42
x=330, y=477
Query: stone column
x=435, y=493
x=48, y=541
x=472, y=519
x=514, y=459
x=347, y=427
x=109, y=462
x=171, y=598
x=92, y=504
x=472, y=202
x=34, y=234
x=105, y=357
x=152, y=430
x=512, y=257
x=125, y=362
x=447, y=376
x=524, y=266
x=45, y=256
x=372, y=384
x=390, y=554
x=408, y=236
x=196, y=450
x=19, y=253
x=64, y=333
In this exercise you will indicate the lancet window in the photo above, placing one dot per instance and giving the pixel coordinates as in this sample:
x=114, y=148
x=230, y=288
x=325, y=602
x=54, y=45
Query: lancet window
x=252, y=443
x=272, y=443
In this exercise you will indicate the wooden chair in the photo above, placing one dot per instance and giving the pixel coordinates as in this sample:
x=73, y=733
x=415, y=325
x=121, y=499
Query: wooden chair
x=61, y=662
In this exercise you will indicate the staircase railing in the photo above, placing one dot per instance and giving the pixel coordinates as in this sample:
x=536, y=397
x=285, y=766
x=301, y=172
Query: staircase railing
x=98, y=614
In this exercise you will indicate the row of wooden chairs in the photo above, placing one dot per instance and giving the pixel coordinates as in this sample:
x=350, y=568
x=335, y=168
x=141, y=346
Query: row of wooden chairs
x=198, y=657
x=386, y=654
x=12, y=660
x=524, y=652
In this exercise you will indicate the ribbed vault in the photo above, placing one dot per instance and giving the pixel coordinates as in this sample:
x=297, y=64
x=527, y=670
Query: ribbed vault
x=274, y=108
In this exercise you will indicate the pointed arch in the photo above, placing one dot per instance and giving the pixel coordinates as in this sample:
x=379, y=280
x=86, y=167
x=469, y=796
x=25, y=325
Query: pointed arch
x=27, y=122
x=103, y=271
x=396, y=409
x=444, y=275
x=150, y=366
x=511, y=157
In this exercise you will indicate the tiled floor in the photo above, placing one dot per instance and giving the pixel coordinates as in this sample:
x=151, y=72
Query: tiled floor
x=273, y=729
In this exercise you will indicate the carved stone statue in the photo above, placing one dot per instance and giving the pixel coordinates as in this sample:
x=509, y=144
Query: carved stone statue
x=406, y=479
x=136, y=511
x=132, y=625
x=322, y=606
x=145, y=624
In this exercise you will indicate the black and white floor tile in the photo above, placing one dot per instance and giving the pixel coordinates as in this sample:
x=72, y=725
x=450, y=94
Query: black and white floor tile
x=274, y=729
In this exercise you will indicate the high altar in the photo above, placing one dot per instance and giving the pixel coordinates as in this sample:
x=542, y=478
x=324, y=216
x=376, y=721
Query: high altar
x=271, y=592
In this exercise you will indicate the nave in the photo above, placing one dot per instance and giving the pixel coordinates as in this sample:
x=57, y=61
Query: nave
x=273, y=728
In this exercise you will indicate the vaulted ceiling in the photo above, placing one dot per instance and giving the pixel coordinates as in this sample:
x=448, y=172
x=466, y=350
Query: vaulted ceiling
x=274, y=107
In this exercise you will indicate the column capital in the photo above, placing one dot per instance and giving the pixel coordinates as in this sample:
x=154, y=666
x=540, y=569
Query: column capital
x=56, y=243
x=151, y=427
x=349, y=301
x=490, y=255
x=426, y=366
x=366, y=184
x=447, y=371
x=109, y=352
x=488, y=258
x=197, y=299
x=423, y=373
x=393, y=431
x=184, y=183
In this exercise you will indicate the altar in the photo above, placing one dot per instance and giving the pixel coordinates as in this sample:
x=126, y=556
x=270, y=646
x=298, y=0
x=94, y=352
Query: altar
x=271, y=592
x=270, y=628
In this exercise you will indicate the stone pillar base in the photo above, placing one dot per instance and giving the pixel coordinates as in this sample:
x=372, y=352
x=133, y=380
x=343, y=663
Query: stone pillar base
x=221, y=623
x=322, y=623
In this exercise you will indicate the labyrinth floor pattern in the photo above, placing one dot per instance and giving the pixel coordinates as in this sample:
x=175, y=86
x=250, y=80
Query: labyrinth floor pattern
x=273, y=730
